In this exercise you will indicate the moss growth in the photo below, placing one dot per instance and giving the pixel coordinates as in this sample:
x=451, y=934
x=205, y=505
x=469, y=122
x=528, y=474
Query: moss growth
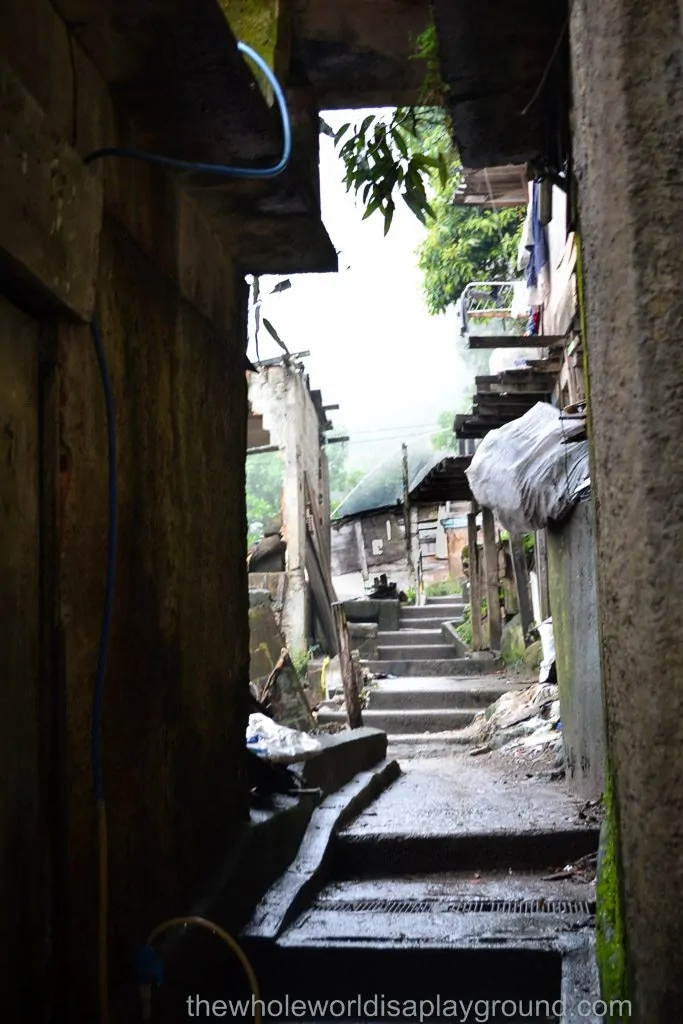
x=610, y=935
x=255, y=22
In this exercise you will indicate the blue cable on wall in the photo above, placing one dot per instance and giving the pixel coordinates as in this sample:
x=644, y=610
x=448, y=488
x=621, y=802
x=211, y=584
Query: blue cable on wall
x=220, y=169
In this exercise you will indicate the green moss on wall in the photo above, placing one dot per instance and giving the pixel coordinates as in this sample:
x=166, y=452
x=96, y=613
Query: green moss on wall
x=255, y=22
x=610, y=935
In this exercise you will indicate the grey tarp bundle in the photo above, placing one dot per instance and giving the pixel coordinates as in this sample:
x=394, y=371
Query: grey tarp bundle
x=525, y=472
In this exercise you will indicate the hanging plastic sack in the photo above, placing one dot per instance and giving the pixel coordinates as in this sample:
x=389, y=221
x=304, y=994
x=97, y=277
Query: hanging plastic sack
x=547, y=636
x=278, y=743
x=526, y=472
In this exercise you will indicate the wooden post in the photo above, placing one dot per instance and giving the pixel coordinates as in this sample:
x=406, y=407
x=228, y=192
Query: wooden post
x=406, y=510
x=542, y=572
x=475, y=579
x=492, y=582
x=349, y=680
x=521, y=582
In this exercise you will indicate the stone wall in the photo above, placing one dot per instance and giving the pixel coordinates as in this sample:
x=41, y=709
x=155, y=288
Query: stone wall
x=574, y=608
x=172, y=309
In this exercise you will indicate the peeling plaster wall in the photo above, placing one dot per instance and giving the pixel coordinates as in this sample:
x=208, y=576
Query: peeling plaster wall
x=280, y=394
x=172, y=310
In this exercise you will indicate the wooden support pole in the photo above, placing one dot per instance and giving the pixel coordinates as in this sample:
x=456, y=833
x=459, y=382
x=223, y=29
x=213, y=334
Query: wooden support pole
x=542, y=572
x=349, y=680
x=492, y=582
x=406, y=510
x=475, y=579
x=521, y=572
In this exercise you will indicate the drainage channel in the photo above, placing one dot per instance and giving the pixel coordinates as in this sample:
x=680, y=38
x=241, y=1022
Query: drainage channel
x=584, y=908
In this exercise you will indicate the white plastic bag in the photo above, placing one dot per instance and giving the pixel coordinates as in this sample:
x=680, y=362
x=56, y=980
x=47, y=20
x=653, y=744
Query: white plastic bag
x=547, y=636
x=524, y=471
x=278, y=743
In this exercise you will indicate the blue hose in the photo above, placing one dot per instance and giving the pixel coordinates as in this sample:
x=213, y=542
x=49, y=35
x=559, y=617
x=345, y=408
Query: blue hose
x=219, y=169
x=96, y=736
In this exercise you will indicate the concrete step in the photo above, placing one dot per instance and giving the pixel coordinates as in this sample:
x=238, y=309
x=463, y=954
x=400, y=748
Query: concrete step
x=418, y=720
x=445, y=599
x=445, y=612
x=361, y=855
x=415, y=652
x=404, y=694
x=406, y=637
x=434, y=667
x=425, y=623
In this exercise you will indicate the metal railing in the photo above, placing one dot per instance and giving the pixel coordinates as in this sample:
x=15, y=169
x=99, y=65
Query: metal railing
x=487, y=301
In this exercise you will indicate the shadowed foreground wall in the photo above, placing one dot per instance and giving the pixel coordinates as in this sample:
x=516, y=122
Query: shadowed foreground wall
x=171, y=303
x=628, y=118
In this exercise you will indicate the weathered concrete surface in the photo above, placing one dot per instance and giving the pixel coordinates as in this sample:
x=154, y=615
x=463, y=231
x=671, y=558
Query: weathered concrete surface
x=307, y=873
x=628, y=109
x=414, y=720
x=574, y=606
x=463, y=795
x=344, y=755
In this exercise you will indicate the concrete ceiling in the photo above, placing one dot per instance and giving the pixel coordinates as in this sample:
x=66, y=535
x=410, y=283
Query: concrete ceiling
x=503, y=63
x=358, y=53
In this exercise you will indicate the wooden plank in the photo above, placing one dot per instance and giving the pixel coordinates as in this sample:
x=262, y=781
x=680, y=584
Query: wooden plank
x=349, y=683
x=542, y=572
x=492, y=582
x=320, y=596
x=480, y=341
x=521, y=572
x=360, y=542
x=475, y=579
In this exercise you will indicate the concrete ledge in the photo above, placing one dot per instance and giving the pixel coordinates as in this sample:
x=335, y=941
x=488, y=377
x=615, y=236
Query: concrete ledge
x=344, y=755
x=48, y=256
x=435, y=667
x=451, y=637
x=361, y=856
x=384, y=612
x=310, y=869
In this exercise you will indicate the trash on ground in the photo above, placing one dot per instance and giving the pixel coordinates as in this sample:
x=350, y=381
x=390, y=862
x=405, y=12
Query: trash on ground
x=278, y=743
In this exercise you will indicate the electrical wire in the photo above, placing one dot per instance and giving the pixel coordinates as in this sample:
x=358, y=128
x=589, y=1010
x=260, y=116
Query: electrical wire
x=201, y=922
x=220, y=170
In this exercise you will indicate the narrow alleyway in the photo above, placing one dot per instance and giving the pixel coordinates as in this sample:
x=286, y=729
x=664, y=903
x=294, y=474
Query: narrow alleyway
x=449, y=890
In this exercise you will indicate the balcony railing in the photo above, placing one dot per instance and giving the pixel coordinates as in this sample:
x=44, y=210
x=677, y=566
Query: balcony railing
x=489, y=303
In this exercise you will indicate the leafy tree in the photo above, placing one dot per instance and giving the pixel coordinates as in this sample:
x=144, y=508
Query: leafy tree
x=265, y=475
x=409, y=155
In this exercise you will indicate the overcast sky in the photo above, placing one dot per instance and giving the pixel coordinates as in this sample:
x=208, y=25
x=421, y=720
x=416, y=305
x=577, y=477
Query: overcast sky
x=375, y=350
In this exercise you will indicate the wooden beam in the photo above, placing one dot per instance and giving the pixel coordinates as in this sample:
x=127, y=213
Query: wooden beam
x=478, y=341
x=492, y=581
x=475, y=579
x=348, y=674
x=520, y=570
x=542, y=572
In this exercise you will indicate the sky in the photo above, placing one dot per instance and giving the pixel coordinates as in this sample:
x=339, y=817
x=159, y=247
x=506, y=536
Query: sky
x=375, y=350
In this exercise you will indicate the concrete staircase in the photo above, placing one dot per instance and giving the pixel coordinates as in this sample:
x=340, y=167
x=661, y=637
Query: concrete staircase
x=420, y=646
x=435, y=686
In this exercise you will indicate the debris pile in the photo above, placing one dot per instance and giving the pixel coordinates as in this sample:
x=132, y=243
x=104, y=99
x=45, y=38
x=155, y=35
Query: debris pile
x=528, y=718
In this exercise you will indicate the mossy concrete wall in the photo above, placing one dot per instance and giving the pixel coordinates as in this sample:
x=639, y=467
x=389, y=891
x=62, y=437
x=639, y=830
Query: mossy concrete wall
x=171, y=303
x=574, y=608
x=628, y=124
